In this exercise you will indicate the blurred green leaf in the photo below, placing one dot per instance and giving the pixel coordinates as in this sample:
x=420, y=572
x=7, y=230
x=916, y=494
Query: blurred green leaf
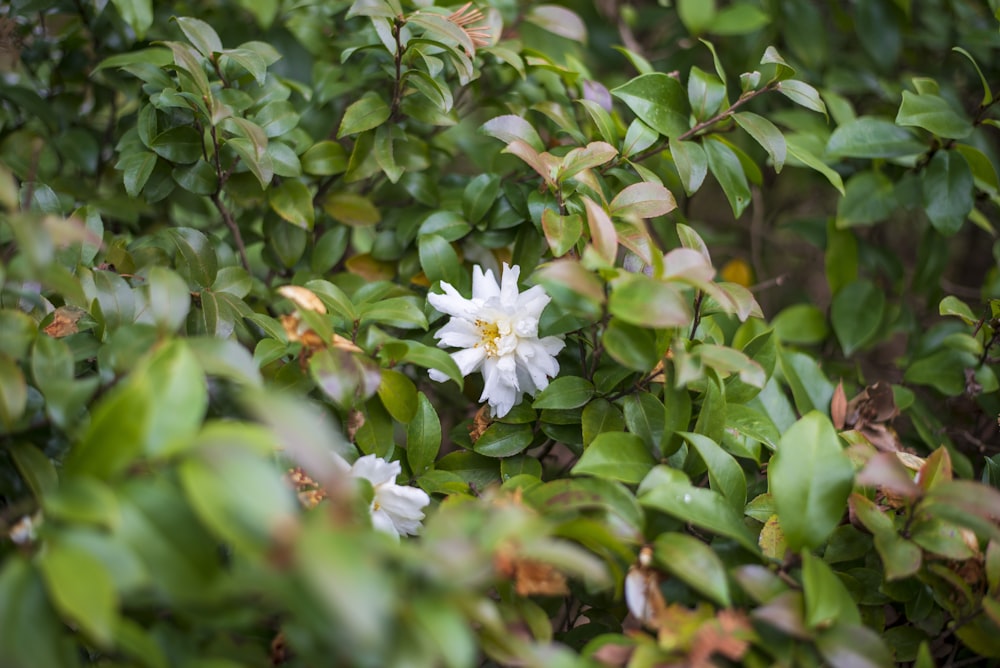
x=81, y=589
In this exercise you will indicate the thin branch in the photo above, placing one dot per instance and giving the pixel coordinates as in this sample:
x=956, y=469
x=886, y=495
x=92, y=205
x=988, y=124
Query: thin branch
x=227, y=217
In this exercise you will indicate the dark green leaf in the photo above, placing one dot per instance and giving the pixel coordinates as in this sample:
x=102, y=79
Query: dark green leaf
x=367, y=113
x=423, y=436
x=726, y=167
x=292, y=200
x=180, y=144
x=856, y=313
x=659, y=100
x=702, y=507
x=504, y=440
x=565, y=392
x=871, y=137
x=948, y=191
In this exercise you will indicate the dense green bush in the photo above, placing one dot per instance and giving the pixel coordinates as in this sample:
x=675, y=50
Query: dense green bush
x=385, y=334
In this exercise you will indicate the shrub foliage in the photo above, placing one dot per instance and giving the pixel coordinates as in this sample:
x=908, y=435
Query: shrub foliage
x=762, y=234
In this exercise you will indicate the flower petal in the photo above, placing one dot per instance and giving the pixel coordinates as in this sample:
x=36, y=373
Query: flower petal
x=484, y=285
x=508, y=286
x=469, y=360
x=452, y=303
x=376, y=470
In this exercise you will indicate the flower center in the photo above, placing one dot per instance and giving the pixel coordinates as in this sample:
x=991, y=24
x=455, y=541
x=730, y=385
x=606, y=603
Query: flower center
x=496, y=338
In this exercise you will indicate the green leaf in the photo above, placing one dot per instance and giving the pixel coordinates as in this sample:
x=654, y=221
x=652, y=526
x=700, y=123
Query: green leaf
x=724, y=473
x=696, y=15
x=324, y=158
x=934, y=114
x=351, y=209
x=198, y=262
x=400, y=312
x=35, y=468
x=766, y=134
x=479, y=196
x=558, y=21
x=561, y=232
x=292, y=200
x=853, y=646
x=801, y=152
x=564, y=393
x=691, y=162
x=871, y=137
x=800, y=323
x=726, y=167
x=616, y=456
x=439, y=260
x=13, y=392
x=802, y=94
x=870, y=197
x=810, y=479
x=645, y=417
x=695, y=563
x=706, y=93
x=948, y=191
x=952, y=305
x=136, y=168
x=216, y=484
x=176, y=378
x=987, y=93
x=856, y=313
x=659, y=100
x=827, y=599
x=509, y=128
x=398, y=395
x=82, y=499
x=423, y=436
x=704, y=508
x=643, y=301
x=600, y=416
x=810, y=387
x=741, y=18
x=199, y=178
x=367, y=113
x=643, y=199
x=751, y=423
x=201, y=35
x=504, y=440
x=138, y=14
x=182, y=145
x=630, y=345
x=81, y=589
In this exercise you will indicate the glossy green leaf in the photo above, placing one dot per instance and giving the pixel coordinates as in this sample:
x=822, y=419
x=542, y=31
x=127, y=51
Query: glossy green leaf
x=872, y=137
x=695, y=563
x=934, y=114
x=643, y=301
x=423, y=436
x=701, y=507
x=726, y=168
x=724, y=473
x=827, y=600
x=292, y=200
x=398, y=395
x=691, y=162
x=659, y=100
x=617, y=456
x=182, y=144
x=504, y=440
x=630, y=345
x=561, y=232
x=565, y=392
x=367, y=113
x=766, y=134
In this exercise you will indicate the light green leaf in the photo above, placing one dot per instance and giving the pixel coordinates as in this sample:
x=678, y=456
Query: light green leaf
x=810, y=479
x=616, y=455
x=766, y=134
x=695, y=563
x=367, y=113
x=81, y=589
x=934, y=114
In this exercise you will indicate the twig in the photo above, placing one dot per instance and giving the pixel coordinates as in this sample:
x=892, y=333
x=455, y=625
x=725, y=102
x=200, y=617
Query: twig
x=230, y=222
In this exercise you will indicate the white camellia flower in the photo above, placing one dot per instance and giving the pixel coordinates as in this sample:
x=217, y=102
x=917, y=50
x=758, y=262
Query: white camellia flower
x=498, y=332
x=396, y=509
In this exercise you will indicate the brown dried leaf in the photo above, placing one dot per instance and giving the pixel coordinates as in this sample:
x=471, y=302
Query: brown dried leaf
x=536, y=577
x=343, y=343
x=838, y=406
x=64, y=322
x=480, y=423
x=304, y=298
x=355, y=420
x=726, y=635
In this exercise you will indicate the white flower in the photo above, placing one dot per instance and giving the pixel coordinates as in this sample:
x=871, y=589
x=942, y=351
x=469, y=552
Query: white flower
x=396, y=509
x=498, y=332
